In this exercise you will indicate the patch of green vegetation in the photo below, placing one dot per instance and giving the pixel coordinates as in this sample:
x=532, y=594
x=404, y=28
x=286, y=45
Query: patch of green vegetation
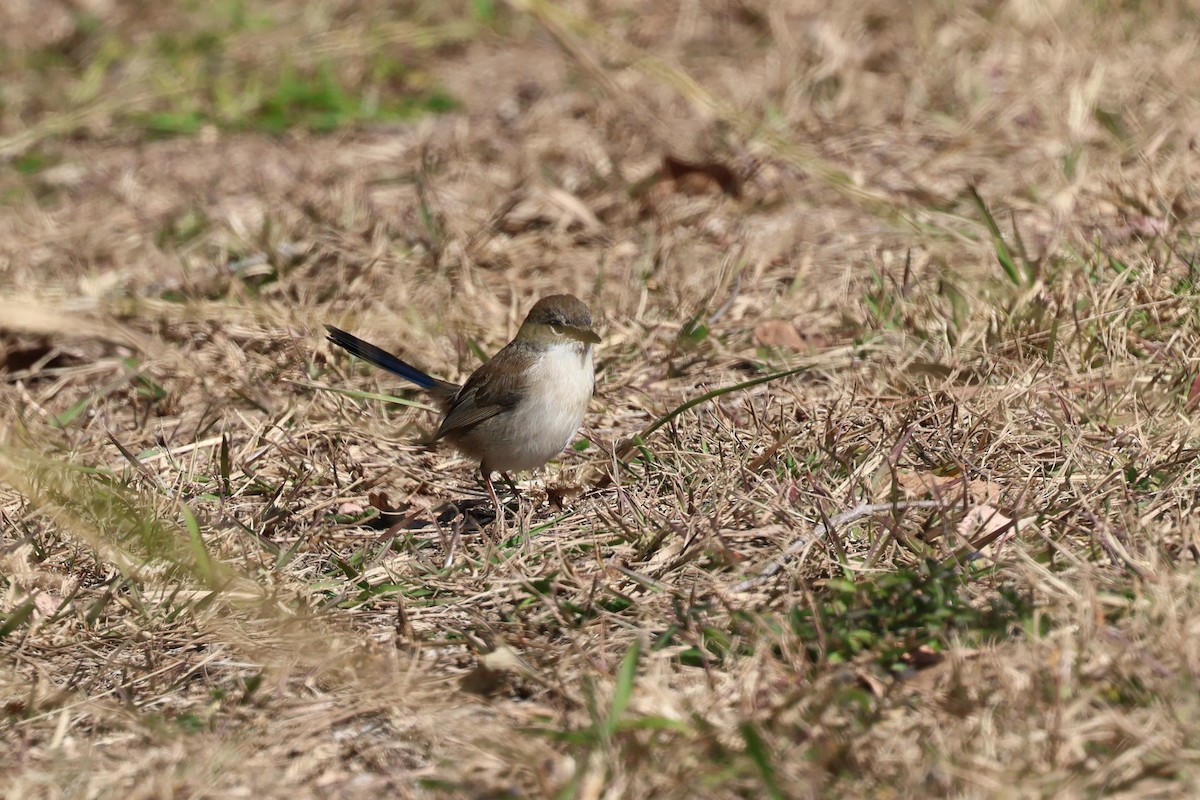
x=891, y=615
x=694, y=331
x=883, y=303
x=316, y=99
x=219, y=66
x=17, y=617
x=347, y=584
x=712, y=645
x=32, y=162
x=319, y=103
x=144, y=386
x=883, y=619
x=611, y=725
x=183, y=228
x=1017, y=267
x=172, y=123
x=191, y=723
x=483, y=10
x=1112, y=122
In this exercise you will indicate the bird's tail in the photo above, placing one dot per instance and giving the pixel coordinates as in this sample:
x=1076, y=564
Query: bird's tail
x=385, y=360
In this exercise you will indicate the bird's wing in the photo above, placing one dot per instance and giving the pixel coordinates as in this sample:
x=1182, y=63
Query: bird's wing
x=492, y=389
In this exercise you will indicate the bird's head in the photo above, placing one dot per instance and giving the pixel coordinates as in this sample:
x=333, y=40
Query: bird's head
x=558, y=318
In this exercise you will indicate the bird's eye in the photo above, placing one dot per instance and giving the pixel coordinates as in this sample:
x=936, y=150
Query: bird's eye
x=558, y=329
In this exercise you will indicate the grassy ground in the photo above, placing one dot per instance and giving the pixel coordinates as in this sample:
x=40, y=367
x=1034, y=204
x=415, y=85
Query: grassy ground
x=887, y=489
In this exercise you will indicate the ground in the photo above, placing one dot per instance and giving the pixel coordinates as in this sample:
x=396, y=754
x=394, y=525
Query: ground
x=886, y=488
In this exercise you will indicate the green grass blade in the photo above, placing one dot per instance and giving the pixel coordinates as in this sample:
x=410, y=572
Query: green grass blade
x=19, y=616
x=623, y=690
x=760, y=754
x=204, y=568
x=1003, y=254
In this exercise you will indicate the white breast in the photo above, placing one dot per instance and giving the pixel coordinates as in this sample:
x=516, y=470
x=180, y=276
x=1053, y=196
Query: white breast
x=545, y=421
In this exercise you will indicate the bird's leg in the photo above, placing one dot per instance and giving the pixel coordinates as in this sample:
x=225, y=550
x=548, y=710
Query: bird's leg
x=516, y=492
x=491, y=490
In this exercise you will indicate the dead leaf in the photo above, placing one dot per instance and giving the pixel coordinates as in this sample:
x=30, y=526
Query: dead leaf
x=380, y=500
x=706, y=178
x=547, y=207
x=983, y=525
x=47, y=603
x=493, y=672
x=778, y=333
x=502, y=659
x=873, y=683
x=1148, y=227
x=575, y=208
x=923, y=657
x=917, y=485
x=561, y=494
x=482, y=681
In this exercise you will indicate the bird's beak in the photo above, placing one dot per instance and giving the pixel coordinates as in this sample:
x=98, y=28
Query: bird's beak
x=585, y=335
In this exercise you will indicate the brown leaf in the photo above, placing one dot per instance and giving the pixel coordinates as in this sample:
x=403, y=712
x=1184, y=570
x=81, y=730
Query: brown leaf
x=561, y=494
x=778, y=333
x=917, y=485
x=380, y=500
x=923, y=657
x=493, y=672
x=706, y=178
x=982, y=525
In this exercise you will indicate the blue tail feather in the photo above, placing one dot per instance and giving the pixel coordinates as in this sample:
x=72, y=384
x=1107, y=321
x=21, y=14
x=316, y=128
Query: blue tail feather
x=382, y=358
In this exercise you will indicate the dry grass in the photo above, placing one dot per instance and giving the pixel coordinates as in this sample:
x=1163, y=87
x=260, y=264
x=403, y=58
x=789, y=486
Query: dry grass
x=200, y=597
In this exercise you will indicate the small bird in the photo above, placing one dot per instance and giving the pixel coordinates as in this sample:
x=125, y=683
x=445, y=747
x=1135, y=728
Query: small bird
x=520, y=409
